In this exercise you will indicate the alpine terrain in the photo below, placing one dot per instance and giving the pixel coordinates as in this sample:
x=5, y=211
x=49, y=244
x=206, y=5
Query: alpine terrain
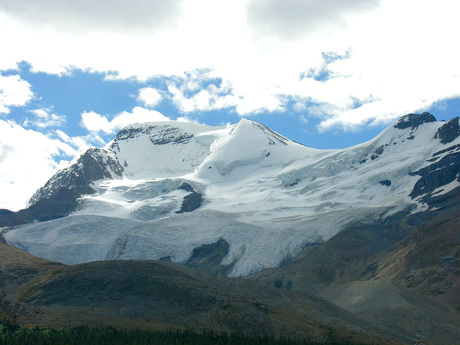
x=372, y=229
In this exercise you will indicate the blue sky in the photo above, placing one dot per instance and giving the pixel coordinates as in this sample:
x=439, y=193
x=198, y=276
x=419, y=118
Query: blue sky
x=325, y=74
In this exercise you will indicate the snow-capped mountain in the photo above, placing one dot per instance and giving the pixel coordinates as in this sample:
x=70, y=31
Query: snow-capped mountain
x=162, y=190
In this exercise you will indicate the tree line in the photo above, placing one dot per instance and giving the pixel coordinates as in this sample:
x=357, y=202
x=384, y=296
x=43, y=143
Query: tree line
x=13, y=334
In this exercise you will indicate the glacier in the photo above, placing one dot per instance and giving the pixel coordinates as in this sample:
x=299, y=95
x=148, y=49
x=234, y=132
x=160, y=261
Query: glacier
x=265, y=195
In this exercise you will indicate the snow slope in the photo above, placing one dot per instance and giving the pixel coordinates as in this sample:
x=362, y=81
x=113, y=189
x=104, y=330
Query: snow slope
x=266, y=196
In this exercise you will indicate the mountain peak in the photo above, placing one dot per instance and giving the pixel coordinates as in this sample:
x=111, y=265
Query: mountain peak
x=449, y=131
x=249, y=128
x=414, y=120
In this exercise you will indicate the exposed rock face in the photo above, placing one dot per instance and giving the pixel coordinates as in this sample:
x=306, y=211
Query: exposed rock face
x=63, y=202
x=414, y=120
x=58, y=197
x=158, y=135
x=191, y=202
x=185, y=186
x=209, y=256
x=272, y=135
x=437, y=174
x=59, y=205
x=94, y=165
x=449, y=132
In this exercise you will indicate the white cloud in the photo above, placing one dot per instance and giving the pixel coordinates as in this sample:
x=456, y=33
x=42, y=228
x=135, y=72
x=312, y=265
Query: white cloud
x=44, y=118
x=27, y=161
x=187, y=119
x=79, y=144
x=395, y=69
x=201, y=93
x=14, y=92
x=291, y=19
x=401, y=56
x=86, y=16
x=149, y=96
x=190, y=96
x=96, y=123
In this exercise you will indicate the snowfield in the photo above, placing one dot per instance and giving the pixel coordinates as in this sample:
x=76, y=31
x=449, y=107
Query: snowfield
x=266, y=196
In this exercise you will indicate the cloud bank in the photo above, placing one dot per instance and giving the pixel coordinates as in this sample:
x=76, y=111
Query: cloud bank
x=86, y=16
x=398, y=56
x=294, y=19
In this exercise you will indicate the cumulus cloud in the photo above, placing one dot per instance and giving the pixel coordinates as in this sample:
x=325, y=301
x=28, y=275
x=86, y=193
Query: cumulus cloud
x=96, y=123
x=149, y=96
x=201, y=92
x=28, y=161
x=14, y=92
x=191, y=95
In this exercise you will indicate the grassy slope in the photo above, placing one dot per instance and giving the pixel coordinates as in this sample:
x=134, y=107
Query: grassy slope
x=163, y=295
x=428, y=261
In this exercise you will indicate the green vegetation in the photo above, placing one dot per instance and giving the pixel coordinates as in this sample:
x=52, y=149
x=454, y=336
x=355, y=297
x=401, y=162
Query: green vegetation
x=13, y=334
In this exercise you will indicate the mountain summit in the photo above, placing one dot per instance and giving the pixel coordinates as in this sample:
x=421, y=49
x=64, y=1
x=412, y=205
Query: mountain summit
x=174, y=190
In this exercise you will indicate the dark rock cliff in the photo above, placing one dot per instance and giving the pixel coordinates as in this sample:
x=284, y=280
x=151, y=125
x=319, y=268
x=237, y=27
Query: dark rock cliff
x=449, y=132
x=94, y=165
x=414, y=120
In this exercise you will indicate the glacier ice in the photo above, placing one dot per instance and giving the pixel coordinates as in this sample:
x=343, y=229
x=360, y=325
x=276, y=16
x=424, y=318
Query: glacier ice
x=266, y=196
